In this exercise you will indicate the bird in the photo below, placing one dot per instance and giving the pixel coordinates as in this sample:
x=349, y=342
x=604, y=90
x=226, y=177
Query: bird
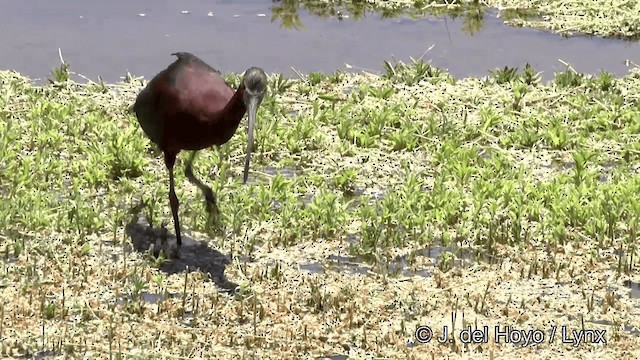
x=188, y=106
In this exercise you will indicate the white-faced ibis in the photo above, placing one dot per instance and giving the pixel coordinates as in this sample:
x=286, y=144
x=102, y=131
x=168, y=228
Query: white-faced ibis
x=188, y=106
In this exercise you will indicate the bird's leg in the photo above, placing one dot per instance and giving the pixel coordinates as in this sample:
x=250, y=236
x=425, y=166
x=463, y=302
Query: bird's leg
x=170, y=160
x=209, y=196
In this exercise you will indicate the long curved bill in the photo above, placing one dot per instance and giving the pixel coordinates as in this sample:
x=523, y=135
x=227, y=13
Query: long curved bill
x=252, y=109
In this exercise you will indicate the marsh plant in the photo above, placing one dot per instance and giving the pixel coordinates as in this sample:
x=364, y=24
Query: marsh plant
x=539, y=178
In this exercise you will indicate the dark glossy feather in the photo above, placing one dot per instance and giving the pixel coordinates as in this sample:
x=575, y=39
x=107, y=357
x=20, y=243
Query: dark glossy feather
x=186, y=100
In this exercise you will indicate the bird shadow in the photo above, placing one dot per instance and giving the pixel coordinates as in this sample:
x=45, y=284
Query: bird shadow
x=192, y=255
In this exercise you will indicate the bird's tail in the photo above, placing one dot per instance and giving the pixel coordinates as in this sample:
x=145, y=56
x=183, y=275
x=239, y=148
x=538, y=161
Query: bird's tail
x=132, y=109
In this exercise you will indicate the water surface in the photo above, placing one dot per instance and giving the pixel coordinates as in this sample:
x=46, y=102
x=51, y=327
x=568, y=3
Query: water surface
x=109, y=38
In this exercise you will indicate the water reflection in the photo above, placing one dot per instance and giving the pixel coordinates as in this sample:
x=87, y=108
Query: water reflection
x=109, y=38
x=472, y=13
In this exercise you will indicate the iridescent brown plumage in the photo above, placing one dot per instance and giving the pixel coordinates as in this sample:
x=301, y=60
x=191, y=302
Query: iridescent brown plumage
x=188, y=106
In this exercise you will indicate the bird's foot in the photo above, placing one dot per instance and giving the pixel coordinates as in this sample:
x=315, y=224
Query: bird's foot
x=210, y=197
x=213, y=219
x=214, y=223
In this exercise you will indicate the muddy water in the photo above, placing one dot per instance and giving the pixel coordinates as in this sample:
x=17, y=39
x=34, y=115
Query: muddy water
x=109, y=38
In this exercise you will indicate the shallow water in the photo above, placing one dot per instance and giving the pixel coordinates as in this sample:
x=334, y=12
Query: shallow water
x=397, y=266
x=634, y=287
x=109, y=38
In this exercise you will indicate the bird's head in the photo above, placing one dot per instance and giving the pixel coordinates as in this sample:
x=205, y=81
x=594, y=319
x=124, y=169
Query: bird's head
x=255, y=86
x=255, y=82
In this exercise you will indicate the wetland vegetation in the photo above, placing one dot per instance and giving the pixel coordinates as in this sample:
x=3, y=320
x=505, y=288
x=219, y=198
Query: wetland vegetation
x=377, y=203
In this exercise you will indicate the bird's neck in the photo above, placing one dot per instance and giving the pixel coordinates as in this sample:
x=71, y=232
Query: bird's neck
x=235, y=109
x=231, y=116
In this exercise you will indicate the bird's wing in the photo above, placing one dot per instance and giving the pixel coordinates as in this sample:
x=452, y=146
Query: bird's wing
x=202, y=90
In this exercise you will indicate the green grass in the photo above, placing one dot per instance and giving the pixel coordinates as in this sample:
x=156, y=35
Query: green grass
x=540, y=178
